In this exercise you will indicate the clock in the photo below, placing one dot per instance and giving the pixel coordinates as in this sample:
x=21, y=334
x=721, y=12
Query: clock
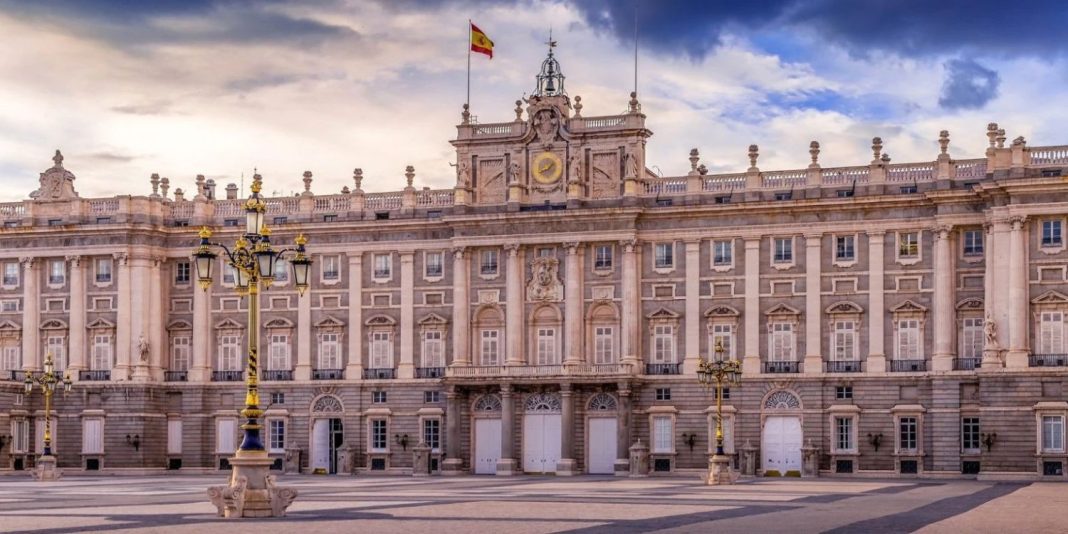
x=548, y=167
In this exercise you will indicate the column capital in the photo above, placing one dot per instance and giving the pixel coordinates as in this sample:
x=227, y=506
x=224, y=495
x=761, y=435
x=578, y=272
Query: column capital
x=628, y=245
x=74, y=260
x=28, y=262
x=121, y=257
x=752, y=242
x=512, y=248
x=572, y=247
x=812, y=238
x=876, y=235
x=1017, y=222
x=565, y=389
x=355, y=258
x=407, y=256
x=506, y=390
x=458, y=252
x=942, y=231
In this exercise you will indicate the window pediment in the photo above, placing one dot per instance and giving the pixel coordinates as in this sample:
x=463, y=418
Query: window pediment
x=229, y=324
x=844, y=307
x=179, y=325
x=1051, y=298
x=663, y=315
x=970, y=304
x=380, y=322
x=100, y=324
x=908, y=307
x=8, y=326
x=783, y=310
x=330, y=322
x=278, y=323
x=722, y=311
x=433, y=320
x=53, y=324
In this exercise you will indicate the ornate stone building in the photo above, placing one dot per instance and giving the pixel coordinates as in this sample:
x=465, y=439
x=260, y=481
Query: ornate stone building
x=551, y=309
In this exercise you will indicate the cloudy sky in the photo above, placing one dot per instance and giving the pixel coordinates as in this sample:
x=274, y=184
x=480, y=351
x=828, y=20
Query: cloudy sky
x=218, y=87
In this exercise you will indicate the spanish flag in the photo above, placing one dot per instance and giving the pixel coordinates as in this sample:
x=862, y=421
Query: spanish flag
x=480, y=43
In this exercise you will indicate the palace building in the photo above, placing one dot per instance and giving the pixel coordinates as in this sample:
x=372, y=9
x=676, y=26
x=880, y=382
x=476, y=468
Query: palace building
x=551, y=309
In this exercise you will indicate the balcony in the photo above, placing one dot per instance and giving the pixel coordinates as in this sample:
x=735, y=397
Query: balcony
x=379, y=374
x=429, y=372
x=175, y=376
x=541, y=371
x=11, y=280
x=227, y=376
x=94, y=376
x=843, y=367
x=782, y=367
x=13, y=375
x=329, y=374
x=103, y=278
x=1048, y=360
x=908, y=366
x=967, y=364
x=278, y=375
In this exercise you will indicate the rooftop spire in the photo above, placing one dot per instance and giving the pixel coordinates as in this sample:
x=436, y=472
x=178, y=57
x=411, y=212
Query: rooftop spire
x=550, y=81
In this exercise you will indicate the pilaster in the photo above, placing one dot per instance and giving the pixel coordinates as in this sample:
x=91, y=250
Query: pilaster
x=302, y=371
x=876, y=362
x=201, y=369
x=406, y=368
x=566, y=465
x=139, y=284
x=630, y=323
x=76, y=344
x=813, y=305
x=461, y=273
x=31, y=319
x=157, y=361
x=692, y=320
x=573, y=319
x=354, y=366
x=513, y=307
x=123, y=321
x=506, y=466
x=622, y=464
x=1018, y=296
x=751, y=360
x=944, y=308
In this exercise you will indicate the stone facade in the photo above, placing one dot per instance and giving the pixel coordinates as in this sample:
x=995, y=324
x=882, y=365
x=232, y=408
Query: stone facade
x=550, y=311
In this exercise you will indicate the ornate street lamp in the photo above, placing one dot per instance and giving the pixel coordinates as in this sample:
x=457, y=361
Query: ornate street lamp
x=253, y=259
x=47, y=382
x=717, y=373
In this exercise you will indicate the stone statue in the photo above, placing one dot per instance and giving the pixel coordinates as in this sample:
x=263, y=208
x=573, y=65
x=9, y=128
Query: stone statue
x=990, y=328
x=575, y=175
x=463, y=175
x=630, y=165
x=142, y=347
x=545, y=285
x=513, y=173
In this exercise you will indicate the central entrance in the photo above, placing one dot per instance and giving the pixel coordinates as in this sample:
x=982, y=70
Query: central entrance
x=781, y=443
x=327, y=437
x=541, y=433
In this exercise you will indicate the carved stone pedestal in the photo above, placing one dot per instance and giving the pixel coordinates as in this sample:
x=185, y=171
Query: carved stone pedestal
x=719, y=471
x=748, y=459
x=639, y=459
x=46, y=469
x=810, y=460
x=251, y=492
x=421, y=460
x=140, y=373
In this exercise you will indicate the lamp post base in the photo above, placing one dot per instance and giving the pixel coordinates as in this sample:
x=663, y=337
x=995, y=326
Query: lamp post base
x=251, y=491
x=719, y=471
x=46, y=470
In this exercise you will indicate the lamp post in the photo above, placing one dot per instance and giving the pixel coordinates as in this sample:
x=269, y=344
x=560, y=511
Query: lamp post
x=47, y=382
x=717, y=373
x=253, y=260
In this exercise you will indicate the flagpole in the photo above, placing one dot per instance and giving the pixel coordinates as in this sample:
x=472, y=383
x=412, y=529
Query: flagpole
x=469, y=64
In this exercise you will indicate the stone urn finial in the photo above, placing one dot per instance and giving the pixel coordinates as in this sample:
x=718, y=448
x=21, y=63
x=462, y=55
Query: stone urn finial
x=635, y=106
x=164, y=186
x=876, y=148
x=814, y=152
x=992, y=133
x=154, y=180
x=357, y=178
x=754, y=153
x=519, y=111
x=885, y=159
x=943, y=141
x=179, y=195
x=695, y=158
x=465, y=115
x=307, y=182
x=578, y=106
x=1001, y=138
x=409, y=174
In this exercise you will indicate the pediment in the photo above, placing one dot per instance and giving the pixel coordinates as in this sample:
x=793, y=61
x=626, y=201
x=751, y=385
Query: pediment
x=100, y=323
x=228, y=324
x=663, y=314
x=433, y=319
x=278, y=322
x=973, y=303
x=380, y=320
x=53, y=324
x=8, y=326
x=844, y=307
x=179, y=325
x=722, y=310
x=1050, y=297
x=909, y=307
x=782, y=309
x=329, y=322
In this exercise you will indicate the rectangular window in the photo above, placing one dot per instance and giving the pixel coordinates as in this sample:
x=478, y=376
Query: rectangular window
x=431, y=397
x=843, y=434
x=973, y=242
x=722, y=253
x=908, y=245
x=379, y=435
x=92, y=436
x=329, y=351
x=278, y=352
x=490, y=346
x=433, y=349
x=488, y=263
x=722, y=337
x=907, y=428
x=225, y=435
x=383, y=266
x=174, y=436
x=663, y=435
x=843, y=392
x=1051, y=333
x=845, y=340
x=180, y=353
x=281, y=271
x=663, y=344
x=969, y=434
x=10, y=358
x=331, y=268
x=845, y=248
x=1052, y=235
x=9, y=305
x=11, y=274
x=663, y=394
x=1053, y=433
x=103, y=270
x=57, y=272
x=546, y=346
x=101, y=357
x=432, y=433
x=276, y=432
x=57, y=346
x=546, y=252
x=278, y=398
x=381, y=350
x=602, y=257
x=20, y=434
x=229, y=353
x=783, y=250
x=604, y=344
x=434, y=265
x=378, y=397
x=229, y=274
x=971, y=339
x=908, y=340
x=782, y=342
x=182, y=272
x=664, y=255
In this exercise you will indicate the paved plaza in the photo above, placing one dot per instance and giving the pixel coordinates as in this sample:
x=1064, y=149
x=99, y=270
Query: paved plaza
x=540, y=504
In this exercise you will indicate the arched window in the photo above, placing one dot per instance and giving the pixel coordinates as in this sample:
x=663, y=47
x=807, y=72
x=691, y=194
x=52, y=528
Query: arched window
x=489, y=333
x=603, y=333
x=545, y=336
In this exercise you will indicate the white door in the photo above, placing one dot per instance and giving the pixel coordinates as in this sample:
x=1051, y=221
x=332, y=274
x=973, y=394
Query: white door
x=541, y=442
x=487, y=445
x=320, y=445
x=602, y=446
x=781, y=444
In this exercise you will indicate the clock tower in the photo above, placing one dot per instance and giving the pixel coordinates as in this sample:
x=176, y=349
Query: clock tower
x=553, y=156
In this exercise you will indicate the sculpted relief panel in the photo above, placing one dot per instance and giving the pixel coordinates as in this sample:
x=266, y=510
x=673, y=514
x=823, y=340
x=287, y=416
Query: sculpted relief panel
x=491, y=186
x=605, y=176
x=545, y=285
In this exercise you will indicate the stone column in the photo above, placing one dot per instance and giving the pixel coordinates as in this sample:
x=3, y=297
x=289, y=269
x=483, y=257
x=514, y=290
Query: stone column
x=201, y=368
x=566, y=465
x=303, y=369
x=630, y=323
x=453, y=463
x=461, y=318
x=124, y=322
x=622, y=465
x=406, y=368
x=991, y=352
x=573, y=319
x=877, y=309
x=943, y=304
x=31, y=320
x=157, y=342
x=137, y=298
x=813, y=304
x=1018, y=296
x=998, y=302
x=354, y=367
x=751, y=360
x=693, y=308
x=76, y=341
x=506, y=465
x=513, y=307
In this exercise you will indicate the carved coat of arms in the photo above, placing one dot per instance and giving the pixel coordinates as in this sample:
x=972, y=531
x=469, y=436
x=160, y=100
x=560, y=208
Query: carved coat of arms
x=545, y=285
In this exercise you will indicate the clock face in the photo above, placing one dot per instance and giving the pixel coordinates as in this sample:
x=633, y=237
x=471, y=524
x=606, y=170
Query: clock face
x=547, y=167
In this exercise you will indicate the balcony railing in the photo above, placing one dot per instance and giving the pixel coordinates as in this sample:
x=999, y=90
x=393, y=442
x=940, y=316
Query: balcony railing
x=908, y=366
x=429, y=372
x=11, y=280
x=1048, y=360
x=379, y=374
x=782, y=367
x=94, y=376
x=175, y=376
x=843, y=367
x=103, y=278
x=227, y=376
x=13, y=375
x=534, y=371
x=967, y=364
x=662, y=368
x=328, y=374
x=278, y=375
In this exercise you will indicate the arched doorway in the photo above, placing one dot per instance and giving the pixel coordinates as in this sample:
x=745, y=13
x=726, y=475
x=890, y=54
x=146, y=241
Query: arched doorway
x=601, y=434
x=781, y=435
x=327, y=433
x=541, y=432
x=486, y=412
